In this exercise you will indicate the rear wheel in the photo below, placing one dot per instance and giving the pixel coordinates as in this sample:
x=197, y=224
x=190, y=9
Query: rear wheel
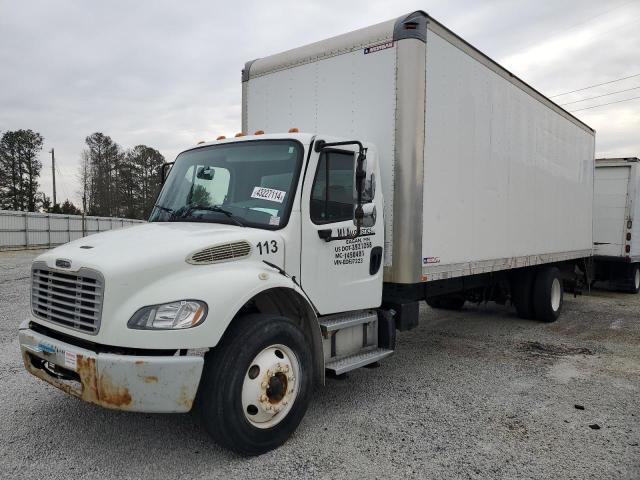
x=548, y=294
x=446, y=302
x=256, y=384
x=522, y=293
x=634, y=279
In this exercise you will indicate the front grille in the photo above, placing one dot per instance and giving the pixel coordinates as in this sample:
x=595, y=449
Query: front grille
x=73, y=300
x=220, y=253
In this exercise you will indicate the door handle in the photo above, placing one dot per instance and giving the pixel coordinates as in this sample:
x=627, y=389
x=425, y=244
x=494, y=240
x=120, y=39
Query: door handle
x=325, y=234
x=375, y=261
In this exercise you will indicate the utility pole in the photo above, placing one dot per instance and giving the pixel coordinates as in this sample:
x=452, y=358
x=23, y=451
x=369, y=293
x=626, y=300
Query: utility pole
x=53, y=171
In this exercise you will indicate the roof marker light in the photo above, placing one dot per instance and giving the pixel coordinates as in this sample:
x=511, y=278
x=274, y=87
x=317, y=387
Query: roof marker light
x=239, y=134
x=259, y=132
x=293, y=130
x=221, y=137
x=200, y=142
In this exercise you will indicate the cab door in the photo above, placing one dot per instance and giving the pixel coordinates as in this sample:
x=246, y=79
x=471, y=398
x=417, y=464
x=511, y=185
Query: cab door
x=338, y=275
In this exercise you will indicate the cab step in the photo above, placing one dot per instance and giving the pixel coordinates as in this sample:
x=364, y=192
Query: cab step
x=358, y=360
x=332, y=323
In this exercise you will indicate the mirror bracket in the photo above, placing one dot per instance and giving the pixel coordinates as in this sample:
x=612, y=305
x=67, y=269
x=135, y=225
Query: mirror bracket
x=163, y=175
x=361, y=175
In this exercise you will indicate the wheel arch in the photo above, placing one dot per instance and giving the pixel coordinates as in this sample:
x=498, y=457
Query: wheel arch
x=290, y=303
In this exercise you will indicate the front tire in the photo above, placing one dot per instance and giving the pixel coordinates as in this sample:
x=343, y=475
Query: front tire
x=548, y=294
x=256, y=384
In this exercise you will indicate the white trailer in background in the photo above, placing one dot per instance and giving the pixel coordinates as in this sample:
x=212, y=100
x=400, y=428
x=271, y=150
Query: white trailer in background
x=616, y=222
x=426, y=172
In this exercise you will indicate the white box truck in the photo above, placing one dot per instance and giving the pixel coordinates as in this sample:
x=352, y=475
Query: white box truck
x=424, y=170
x=616, y=223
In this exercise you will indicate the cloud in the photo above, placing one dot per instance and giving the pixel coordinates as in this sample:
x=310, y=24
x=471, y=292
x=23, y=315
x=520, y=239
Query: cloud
x=167, y=74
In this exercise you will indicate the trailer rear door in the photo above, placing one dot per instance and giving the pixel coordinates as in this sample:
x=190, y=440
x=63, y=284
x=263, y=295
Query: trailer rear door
x=611, y=209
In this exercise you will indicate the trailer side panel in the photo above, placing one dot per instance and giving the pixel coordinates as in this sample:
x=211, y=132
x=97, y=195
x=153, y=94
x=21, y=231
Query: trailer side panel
x=507, y=180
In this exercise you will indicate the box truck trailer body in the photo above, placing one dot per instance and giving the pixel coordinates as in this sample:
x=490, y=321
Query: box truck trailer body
x=426, y=172
x=480, y=172
x=616, y=222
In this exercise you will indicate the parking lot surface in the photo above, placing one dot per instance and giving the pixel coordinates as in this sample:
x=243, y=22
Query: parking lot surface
x=477, y=393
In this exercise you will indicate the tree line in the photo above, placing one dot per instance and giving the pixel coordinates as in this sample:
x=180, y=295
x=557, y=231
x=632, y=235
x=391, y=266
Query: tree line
x=117, y=182
x=114, y=181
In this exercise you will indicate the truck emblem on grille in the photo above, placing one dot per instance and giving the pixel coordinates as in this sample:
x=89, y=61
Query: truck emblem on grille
x=62, y=263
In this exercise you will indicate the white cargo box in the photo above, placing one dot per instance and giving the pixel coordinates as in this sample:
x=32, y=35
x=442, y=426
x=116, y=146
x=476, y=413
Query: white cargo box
x=616, y=216
x=480, y=172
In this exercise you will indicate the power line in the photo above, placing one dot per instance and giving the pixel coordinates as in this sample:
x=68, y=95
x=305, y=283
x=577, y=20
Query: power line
x=605, y=104
x=596, y=85
x=575, y=25
x=599, y=96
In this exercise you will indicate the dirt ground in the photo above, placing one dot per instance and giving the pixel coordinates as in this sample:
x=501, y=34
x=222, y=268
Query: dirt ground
x=472, y=394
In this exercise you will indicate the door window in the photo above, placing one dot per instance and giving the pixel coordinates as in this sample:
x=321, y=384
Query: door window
x=332, y=191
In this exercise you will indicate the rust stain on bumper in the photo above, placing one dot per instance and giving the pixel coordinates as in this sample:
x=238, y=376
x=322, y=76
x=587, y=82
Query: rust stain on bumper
x=96, y=389
x=148, y=384
x=99, y=389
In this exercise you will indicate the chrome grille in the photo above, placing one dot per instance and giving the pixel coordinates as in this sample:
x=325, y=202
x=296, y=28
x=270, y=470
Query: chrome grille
x=220, y=253
x=73, y=300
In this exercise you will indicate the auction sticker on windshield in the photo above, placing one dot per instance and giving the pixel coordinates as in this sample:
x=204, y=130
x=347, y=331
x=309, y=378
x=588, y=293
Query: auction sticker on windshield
x=270, y=194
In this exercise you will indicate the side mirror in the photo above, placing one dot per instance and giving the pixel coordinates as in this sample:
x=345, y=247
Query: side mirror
x=367, y=214
x=367, y=179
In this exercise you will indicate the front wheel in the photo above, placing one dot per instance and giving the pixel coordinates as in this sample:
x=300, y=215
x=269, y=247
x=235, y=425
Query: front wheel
x=256, y=384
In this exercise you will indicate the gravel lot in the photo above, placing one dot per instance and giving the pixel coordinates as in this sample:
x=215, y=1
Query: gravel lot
x=471, y=394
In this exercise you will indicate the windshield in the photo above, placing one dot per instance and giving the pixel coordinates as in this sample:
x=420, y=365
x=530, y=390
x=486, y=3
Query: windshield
x=246, y=183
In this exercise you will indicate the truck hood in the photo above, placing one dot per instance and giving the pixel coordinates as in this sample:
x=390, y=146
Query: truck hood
x=146, y=265
x=158, y=247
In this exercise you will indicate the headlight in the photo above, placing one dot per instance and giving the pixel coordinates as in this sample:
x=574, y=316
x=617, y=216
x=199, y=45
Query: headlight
x=169, y=316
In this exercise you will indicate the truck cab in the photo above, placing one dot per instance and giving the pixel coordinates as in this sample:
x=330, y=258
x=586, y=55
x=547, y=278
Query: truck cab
x=260, y=268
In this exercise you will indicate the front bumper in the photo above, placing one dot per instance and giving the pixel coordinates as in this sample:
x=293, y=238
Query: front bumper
x=121, y=382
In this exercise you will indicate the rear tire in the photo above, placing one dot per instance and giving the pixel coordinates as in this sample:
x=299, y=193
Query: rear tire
x=522, y=294
x=634, y=279
x=261, y=356
x=548, y=294
x=446, y=302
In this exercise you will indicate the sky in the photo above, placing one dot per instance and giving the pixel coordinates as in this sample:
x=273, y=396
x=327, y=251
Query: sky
x=167, y=73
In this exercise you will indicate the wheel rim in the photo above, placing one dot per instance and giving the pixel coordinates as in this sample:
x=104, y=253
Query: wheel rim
x=637, y=279
x=270, y=386
x=556, y=294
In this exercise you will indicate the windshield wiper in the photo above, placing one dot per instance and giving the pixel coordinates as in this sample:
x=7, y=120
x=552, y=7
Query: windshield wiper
x=212, y=208
x=164, y=209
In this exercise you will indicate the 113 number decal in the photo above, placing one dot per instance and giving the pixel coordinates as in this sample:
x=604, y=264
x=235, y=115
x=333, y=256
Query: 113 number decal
x=267, y=247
